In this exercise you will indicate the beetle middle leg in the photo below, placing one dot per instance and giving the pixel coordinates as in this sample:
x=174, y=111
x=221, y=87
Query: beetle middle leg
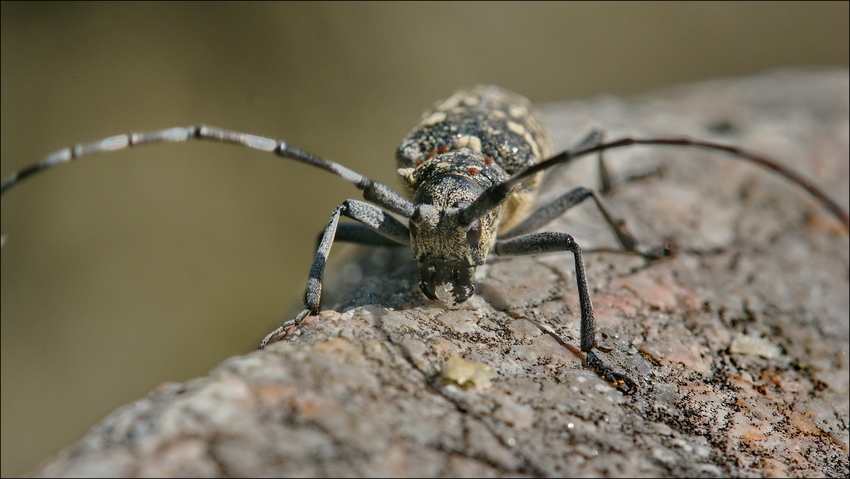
x=547, y=213
x=607, y=183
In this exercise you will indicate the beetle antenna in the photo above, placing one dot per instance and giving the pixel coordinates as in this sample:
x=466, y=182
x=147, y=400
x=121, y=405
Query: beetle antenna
x=493, y=196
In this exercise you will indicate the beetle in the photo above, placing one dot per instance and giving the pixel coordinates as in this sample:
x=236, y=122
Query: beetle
x=472, y=166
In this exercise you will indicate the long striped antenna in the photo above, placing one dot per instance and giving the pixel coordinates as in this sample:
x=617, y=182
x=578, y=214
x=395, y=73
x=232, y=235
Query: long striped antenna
x=176, y=135
x=372, y=190
x=496, y=194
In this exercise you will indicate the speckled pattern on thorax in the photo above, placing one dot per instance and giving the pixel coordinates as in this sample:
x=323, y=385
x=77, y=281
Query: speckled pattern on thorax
x=499, y=129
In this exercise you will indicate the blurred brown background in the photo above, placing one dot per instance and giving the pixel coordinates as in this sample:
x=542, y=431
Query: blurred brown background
x=130, y=269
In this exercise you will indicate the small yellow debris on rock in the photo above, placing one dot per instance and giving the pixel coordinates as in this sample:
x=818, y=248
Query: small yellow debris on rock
x=754, y=344
x=467, y=373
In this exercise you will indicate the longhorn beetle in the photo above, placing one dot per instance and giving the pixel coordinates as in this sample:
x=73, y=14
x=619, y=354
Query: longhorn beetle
x=471, y=165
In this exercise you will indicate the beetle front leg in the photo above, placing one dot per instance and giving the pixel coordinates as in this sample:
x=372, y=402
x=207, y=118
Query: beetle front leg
x=552, y=242
x=388, y=228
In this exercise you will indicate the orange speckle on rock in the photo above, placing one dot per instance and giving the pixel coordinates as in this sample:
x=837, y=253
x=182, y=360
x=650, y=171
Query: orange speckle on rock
x=752, y=436
x=803, y=422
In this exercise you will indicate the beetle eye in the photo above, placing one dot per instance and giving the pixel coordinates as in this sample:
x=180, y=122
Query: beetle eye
x=473, y=235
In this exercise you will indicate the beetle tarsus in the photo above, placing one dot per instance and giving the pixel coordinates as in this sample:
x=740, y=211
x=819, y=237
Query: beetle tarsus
x=619, y=381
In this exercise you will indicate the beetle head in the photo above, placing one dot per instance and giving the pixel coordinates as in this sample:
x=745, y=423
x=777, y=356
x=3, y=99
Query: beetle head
x=448, y=252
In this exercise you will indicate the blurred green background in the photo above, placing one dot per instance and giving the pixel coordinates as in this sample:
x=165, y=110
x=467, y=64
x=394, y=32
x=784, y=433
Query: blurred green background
x=152, y=265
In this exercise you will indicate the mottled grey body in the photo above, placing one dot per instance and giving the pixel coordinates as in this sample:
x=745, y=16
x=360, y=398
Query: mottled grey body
x=473, y=140
x=502, y=134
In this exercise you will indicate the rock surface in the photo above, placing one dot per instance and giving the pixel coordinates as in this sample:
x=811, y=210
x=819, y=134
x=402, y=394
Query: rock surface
x=739, y=343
